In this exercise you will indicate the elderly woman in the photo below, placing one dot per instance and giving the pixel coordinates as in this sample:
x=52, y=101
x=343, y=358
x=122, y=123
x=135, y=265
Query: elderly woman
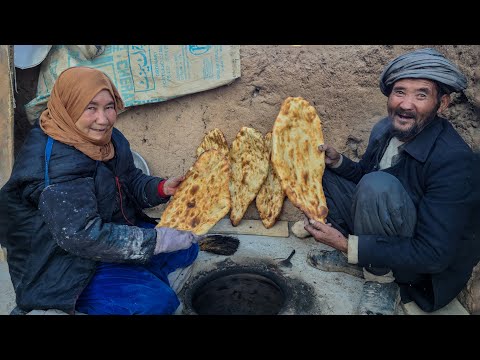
x=71, y=212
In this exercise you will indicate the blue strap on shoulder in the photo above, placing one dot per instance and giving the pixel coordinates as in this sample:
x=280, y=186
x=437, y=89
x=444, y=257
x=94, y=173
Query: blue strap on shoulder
x=48, y=152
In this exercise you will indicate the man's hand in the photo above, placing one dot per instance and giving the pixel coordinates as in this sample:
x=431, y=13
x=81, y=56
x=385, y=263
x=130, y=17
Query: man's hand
x=326, y=234
x=332, y=156
x=171, y=185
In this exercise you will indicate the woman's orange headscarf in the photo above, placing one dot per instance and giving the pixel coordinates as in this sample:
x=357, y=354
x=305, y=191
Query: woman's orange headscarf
x=72, y=92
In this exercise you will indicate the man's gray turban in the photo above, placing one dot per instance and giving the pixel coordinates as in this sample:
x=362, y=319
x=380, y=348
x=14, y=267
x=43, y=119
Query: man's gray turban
x=423, y=64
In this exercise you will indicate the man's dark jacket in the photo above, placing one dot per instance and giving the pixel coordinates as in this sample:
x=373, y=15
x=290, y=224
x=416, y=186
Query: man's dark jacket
x=435, y=168
x=56, y=235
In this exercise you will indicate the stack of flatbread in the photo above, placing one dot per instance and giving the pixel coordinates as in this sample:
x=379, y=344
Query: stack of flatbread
x=297, y=133
x=287, y=162
x=203, y=198
x=270, y=198
x=249, y=164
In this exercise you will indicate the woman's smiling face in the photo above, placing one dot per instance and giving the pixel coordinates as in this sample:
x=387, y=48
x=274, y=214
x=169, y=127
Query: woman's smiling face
x=98, y=117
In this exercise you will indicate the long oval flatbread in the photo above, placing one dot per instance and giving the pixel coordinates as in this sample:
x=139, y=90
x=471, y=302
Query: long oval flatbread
x=270, y=198
x=249, y=163
x=214, y=139
x=299, y=164
x=203, y=198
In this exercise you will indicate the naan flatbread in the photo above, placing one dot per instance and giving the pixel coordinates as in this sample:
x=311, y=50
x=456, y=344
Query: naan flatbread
x=249, y=164
x=203, y=198
x=270, y=198
x=296, y=135
x=213, y=140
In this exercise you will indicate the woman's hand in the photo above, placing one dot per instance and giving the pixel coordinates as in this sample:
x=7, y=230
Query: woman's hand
x=169, y=240
x=171, y=185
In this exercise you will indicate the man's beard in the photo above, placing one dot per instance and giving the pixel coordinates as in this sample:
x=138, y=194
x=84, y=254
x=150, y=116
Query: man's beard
x=406, y=135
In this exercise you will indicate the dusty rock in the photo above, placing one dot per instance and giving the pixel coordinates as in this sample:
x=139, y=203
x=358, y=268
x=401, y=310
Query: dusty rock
x=7, y=294
x=299, y=231
x=469, y=297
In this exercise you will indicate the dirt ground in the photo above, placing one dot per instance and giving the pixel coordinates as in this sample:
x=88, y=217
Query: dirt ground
x=340, y=81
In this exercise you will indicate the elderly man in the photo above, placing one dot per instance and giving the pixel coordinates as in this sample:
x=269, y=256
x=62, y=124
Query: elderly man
x=402, y=216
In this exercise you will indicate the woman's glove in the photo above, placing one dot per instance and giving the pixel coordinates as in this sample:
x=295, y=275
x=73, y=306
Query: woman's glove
x=169, y=240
